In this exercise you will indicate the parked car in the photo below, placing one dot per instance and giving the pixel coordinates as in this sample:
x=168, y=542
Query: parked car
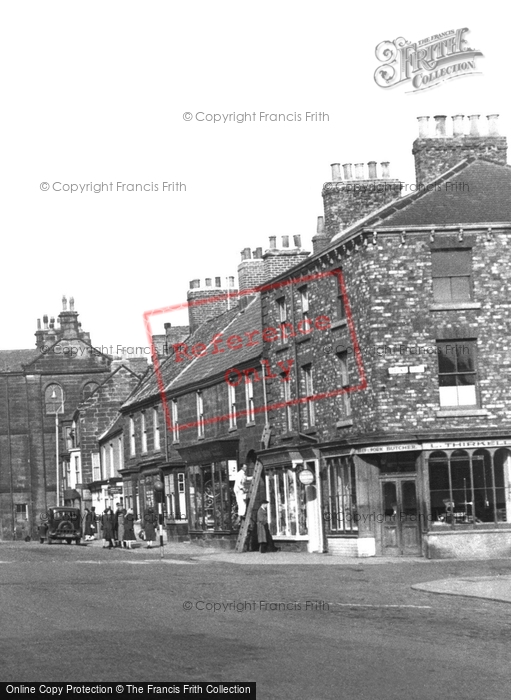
x=64, y=524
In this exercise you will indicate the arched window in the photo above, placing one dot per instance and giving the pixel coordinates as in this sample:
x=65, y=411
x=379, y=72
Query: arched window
x=54, y=399
x=89, y=389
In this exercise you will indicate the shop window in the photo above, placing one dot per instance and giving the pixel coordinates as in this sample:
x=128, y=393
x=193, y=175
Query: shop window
x=210, y=497
x=451, y=270
x=231, y=391
x=467, y=490
x=286, y=508
x=127, y=487
x=457, y=376
x=341, y=507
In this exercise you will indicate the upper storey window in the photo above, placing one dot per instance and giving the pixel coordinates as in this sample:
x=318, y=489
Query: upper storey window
x=452, y=275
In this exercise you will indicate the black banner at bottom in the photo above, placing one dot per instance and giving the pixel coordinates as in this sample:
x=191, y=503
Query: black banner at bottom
x=184, y=690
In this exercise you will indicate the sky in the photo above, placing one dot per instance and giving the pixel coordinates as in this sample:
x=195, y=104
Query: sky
x=96, y=92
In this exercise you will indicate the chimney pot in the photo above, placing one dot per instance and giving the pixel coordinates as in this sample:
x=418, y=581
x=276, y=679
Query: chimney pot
x=194, y=284
x=38, y=324
x=423, y=127
x=347, y=171
x=385, y=169
x=336, y=172
x=245, y=254
x=45, y=321
x=359, y=171
x=493, y=127
x=440, y=120
x=372, y=170
x=167, y=325
x=285, y=241
x=297, y=240
x=320, y=227
x=273, y=242
x=231, y=281
x=208, y=281
x=474, y=124
x=218, y=281
x=258, y=253
x=64, y=303
x=71, y=303
x=457, y=124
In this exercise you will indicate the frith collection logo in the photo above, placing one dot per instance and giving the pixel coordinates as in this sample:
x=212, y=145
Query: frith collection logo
x=427, y=62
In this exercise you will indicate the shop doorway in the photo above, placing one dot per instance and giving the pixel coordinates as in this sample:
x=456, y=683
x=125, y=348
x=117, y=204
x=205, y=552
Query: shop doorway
x=400, y=520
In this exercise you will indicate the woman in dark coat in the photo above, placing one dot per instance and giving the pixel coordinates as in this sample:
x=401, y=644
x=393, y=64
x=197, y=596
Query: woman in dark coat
x=150, y=521
x=129, y=529
x=264, y=537
x=87, y=525
x=108, y=522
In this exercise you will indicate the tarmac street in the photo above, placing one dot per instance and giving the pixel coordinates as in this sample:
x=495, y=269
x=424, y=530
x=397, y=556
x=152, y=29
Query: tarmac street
x=300, y=626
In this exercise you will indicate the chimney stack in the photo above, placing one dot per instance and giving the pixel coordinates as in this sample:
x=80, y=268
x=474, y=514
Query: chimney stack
x=474, y=124
x=435, y=155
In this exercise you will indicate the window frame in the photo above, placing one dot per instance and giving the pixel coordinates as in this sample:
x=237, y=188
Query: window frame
x=309, y=391
x=200, y=414
x=438, y=298
x=472, y=342
x=249, y=400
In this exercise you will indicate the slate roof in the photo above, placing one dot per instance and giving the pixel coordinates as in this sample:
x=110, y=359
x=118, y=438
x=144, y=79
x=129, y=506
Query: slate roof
x=487, y=200
x=12, y=360
x=177, y=376
x=482, y=195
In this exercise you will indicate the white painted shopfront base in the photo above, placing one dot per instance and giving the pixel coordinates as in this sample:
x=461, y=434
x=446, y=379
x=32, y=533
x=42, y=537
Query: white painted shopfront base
x=352, y=546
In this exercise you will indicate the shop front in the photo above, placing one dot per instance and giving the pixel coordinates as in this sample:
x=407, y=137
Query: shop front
x=209, y=504
x=291, y=479
x=434, y=499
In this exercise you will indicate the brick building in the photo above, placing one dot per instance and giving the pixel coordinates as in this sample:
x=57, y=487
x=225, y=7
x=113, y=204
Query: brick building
x=39, y=391
x=399, y=412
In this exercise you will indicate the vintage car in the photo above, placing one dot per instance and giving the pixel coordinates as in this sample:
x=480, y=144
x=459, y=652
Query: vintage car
x=64, y=524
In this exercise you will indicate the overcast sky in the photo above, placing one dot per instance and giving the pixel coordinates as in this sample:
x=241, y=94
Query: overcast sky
x=95, y=92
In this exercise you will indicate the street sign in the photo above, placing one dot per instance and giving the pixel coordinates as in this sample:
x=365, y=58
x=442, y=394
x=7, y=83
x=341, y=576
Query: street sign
x=306, y=476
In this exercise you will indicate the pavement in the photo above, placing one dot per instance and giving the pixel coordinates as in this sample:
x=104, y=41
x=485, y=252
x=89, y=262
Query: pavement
x=497, y=588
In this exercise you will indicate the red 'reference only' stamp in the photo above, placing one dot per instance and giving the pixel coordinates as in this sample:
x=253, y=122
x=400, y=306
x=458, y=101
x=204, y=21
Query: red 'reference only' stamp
x=221, y=343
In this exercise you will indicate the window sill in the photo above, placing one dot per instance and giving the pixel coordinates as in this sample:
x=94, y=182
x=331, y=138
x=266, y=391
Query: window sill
x=281, y=348
x=339, y=324
x=233, y=429
x=310, y=431
x=453, y=412
x=303, y=339
x=344, y=423
x=455, y=305
x=175, y=442
x=250, y=425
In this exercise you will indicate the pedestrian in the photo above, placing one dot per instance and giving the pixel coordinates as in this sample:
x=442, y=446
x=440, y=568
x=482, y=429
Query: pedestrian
x=129, y=528
x=119, y=525
x=108, y=524
x=240, y=491
x=150, y=521
x=88, y=525
x=264, y=537
x=43, y=527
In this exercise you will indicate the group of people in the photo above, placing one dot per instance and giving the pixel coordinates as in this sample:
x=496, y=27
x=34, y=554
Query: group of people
x=118, y=528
